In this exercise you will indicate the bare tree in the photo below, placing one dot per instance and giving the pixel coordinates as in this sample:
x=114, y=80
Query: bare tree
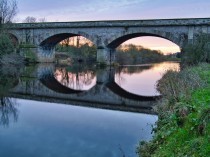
x=42, y=19
x=8, y=110
x=29, y=19
x=66, y=42
x=8, y=10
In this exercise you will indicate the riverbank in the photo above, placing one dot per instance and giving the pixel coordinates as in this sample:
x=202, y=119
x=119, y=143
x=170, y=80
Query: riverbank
x=12, y=59
x=183, y=127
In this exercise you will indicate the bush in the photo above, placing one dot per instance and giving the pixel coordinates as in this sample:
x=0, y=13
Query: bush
x=6, y=46
x=198, y=51
x=176, y=85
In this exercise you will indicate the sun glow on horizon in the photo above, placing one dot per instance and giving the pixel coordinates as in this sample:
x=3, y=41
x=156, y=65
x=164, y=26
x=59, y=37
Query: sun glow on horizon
x=155, y=43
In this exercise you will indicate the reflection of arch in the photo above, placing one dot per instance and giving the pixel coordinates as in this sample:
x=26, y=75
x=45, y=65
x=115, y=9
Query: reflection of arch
x=76, y=77
x=50, y=82
x=119, y=40
x=114, y=87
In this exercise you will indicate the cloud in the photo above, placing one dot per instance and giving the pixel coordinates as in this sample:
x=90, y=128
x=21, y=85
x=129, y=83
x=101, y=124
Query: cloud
x=79, y=10
x=107, y=4
x=71, y=8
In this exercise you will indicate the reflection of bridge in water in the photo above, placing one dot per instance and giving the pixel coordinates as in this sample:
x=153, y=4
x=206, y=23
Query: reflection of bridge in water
x=105, y=94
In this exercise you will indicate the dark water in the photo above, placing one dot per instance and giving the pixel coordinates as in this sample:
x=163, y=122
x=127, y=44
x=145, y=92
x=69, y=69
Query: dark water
x=51, y=111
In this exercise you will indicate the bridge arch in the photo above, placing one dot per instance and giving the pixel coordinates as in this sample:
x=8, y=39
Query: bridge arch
x=47, y=43
x=179, y=40
x=52, y=39
x=51, y=83
x=55, y=39
x=14, y=39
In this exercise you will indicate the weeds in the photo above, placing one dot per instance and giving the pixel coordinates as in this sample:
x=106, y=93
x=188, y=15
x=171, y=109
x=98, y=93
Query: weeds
x=184, y=115
x=175, y=86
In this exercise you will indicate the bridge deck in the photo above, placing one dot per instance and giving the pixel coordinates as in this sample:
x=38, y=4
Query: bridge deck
x=115, y=23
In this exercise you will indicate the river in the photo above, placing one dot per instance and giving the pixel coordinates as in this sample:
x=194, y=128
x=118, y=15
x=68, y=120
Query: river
x=51, y=110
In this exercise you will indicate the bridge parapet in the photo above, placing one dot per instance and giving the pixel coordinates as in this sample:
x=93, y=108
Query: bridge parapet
x=115, y=23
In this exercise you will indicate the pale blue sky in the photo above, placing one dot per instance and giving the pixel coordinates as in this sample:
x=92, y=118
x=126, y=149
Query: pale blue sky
x=84, y=10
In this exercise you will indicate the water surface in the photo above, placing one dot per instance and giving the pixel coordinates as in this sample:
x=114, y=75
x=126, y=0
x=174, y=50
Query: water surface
x=48, y=129
x=51, y=110
x=142, y=79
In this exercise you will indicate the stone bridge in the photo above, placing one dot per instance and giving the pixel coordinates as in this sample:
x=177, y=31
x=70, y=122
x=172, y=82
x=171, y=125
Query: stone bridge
x=106, y=35
x=41, y=85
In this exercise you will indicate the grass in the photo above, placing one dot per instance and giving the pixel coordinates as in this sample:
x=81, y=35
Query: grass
x=183, y=128
x=29, y=55
x=24, y=45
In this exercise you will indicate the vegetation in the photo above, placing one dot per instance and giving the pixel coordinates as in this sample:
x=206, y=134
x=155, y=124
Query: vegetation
x=184, y=113
x=6, y=46
x=85, y=52
x=7, y=50
x=75, y=76
x=183, y=127
x=8, y=79
x=31, y=19
x=29, y=55
x=132, y=54
x=133, y=69
x=198, y=51
x=8, y=10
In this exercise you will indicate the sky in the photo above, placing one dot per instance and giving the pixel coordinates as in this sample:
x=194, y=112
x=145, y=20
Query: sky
x=93, y=10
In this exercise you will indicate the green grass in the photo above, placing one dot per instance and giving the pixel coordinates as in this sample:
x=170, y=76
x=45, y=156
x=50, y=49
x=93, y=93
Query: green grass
x=29, y=55
x=24, y=45
x=185, y=129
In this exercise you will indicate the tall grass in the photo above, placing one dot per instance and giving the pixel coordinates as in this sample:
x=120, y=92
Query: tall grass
x=175, y=86
x=184, y=113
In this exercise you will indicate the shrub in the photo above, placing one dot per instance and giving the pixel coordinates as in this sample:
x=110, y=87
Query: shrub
x=176, y=85
x=198, y=51
x=6, y=46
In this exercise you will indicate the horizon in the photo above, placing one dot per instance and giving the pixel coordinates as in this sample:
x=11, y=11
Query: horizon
x=19, y=22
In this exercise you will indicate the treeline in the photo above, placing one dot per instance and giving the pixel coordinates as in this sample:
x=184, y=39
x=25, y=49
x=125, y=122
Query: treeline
x=132, y=54
x=133, y=69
